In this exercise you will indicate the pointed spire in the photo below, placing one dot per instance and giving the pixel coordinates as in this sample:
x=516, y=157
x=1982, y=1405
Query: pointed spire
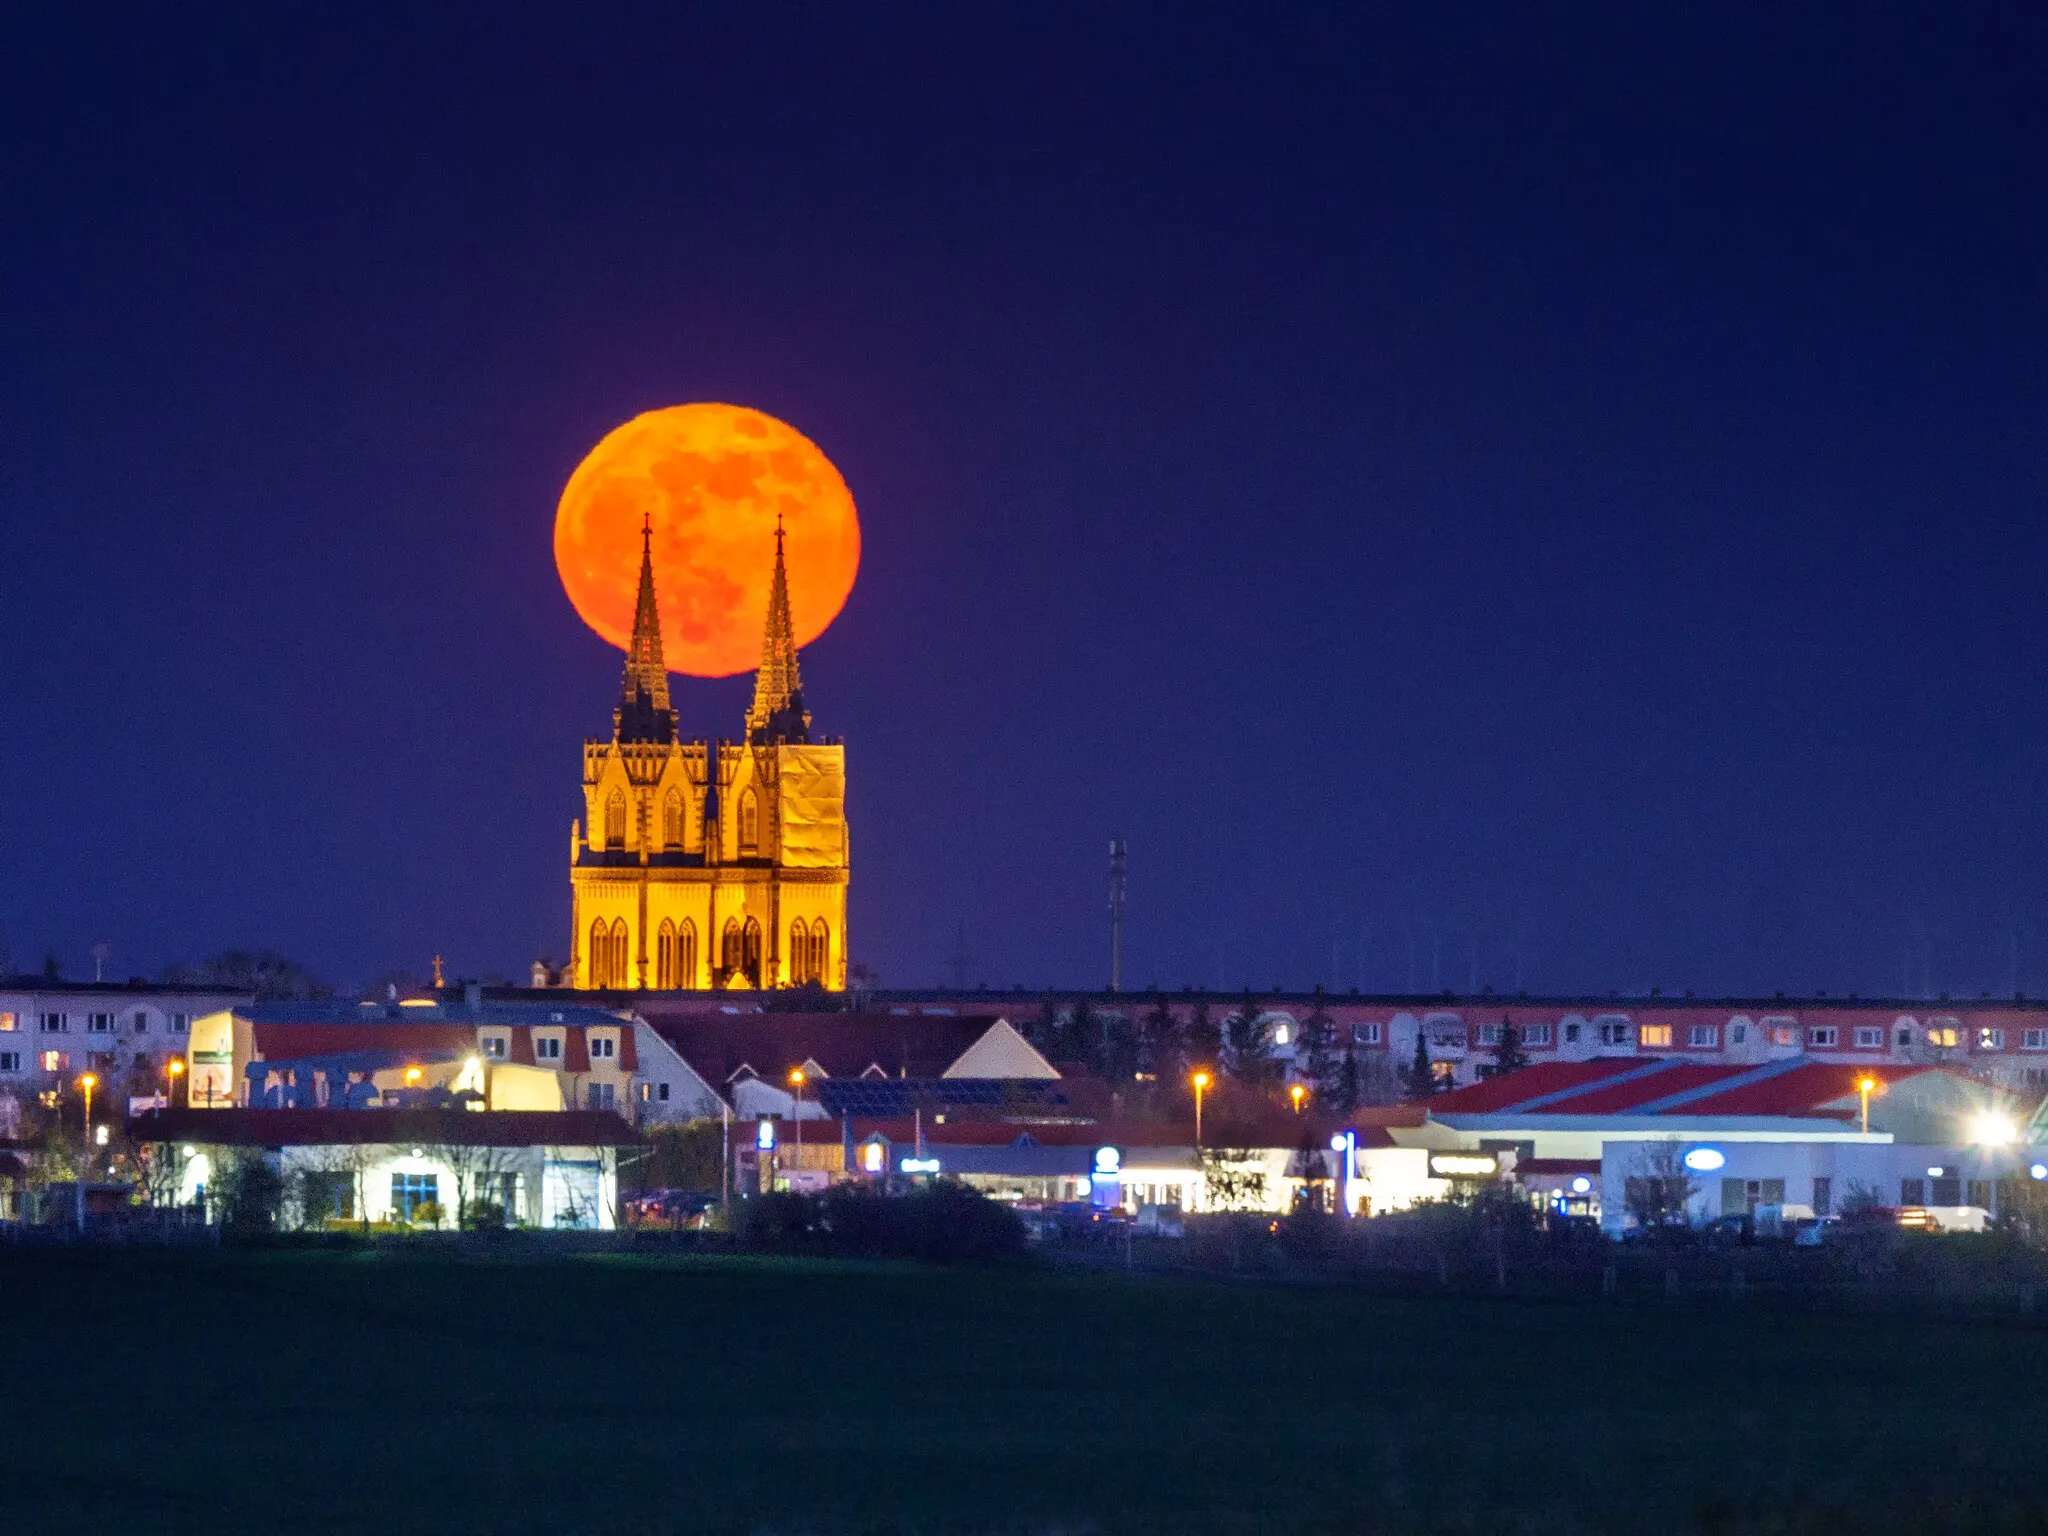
x=643, y=713
x=778, y=713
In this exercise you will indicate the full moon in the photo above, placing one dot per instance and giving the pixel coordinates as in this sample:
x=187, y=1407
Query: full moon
x=712, y=478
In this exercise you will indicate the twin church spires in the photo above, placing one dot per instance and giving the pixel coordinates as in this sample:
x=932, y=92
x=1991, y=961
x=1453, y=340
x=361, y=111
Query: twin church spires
x=778, y=714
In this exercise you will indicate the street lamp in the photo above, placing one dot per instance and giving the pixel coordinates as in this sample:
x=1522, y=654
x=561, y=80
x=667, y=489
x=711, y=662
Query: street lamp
x=88, y=1082
x=1201, y=1081
x=1297, y=1092
x=796, y=1081
x=173, y=1070
x=1866, y=1085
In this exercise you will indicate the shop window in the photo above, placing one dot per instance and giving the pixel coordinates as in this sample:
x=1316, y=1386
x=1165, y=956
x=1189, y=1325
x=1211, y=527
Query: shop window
x=410, y=1191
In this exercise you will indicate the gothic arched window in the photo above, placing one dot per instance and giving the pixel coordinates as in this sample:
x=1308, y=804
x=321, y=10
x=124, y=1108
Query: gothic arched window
x=799, y=953
x=615, y=821
x=619, y=962
x=672, y=820
x=686, y=954
x=600, y=954
x=665, y=956
x=750, y=951
x=729, y=947
x=821, y=953
x=750, y=824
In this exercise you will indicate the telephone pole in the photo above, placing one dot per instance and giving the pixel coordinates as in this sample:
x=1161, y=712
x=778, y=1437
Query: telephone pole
x=1116, y=914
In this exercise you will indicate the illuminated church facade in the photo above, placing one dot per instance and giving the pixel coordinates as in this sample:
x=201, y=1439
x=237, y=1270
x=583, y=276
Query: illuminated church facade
x=710, y=865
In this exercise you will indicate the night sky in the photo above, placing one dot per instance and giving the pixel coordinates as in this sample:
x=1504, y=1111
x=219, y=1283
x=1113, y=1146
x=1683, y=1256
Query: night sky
x=1556, y=497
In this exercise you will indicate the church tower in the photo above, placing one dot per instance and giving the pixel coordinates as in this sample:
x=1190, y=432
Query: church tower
x=710, y=864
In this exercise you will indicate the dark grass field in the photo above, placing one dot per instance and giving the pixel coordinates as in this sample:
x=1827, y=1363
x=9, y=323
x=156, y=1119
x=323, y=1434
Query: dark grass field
x=387, y=1392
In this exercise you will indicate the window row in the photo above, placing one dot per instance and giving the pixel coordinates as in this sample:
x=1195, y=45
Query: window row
x=97, y=1023
x=675, y=820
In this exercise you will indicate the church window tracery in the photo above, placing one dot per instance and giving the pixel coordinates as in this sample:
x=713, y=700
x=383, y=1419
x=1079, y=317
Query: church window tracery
x=750, y=824
x=672, y=820
x=615, y=820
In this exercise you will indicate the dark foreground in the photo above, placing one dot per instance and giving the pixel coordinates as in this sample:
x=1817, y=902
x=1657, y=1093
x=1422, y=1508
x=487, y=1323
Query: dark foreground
x=381, y=1392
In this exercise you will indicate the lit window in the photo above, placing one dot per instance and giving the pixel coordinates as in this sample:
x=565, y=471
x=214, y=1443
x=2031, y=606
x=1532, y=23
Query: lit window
x=10, y=1061
x=1703, y=1037
x=1869, y=1037
x=1990, y=1039
x=646, y=1092
x=1821, y=1034
x=547, y=1048
x=9, y=1022
x=56, y=1061
x=1366, y=1034
x=492, y=1046
x=603, y=1048
x=1943, y=1036
x=1782, y=1031
x=1655, y=1036
x=1279, y=1034
x=410, y=1191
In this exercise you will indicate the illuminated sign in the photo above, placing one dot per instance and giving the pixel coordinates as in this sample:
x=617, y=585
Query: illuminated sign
x=1705, y=1159
x=764, y=1135
x=1108, y=1162
x=919, y=1165
x=1462, y=1165
x=1582, y=1185
x=871, y=1157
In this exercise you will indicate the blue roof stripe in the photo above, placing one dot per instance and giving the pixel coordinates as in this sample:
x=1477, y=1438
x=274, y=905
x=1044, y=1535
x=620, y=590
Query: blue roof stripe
x=1634, y=1074
x=1762, y=1074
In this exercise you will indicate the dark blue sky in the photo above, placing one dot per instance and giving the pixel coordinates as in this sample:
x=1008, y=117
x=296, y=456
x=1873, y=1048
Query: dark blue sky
x=1566, y=486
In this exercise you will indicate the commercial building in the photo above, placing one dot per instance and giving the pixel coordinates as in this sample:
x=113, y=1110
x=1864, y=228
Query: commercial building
x=417, y=1167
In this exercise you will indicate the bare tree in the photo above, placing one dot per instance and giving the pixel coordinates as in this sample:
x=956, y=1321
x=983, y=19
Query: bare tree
x=1659, y=1193
x=1233, y=1179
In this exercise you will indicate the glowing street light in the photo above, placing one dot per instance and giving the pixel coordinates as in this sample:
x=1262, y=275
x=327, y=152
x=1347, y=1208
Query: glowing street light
x=1866, y=1085
x=1993, y=1130
x=1201, y=1081
x=1297, y=1093
x=796, y=1082
x=173, y=1070
x=412, y=1076
x=88, y=1082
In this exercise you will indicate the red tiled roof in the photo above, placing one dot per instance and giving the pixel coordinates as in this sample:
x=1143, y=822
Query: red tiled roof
x=575, y=1049
x=385, y=1127
x=1498, y=1093
x=1642, y=1085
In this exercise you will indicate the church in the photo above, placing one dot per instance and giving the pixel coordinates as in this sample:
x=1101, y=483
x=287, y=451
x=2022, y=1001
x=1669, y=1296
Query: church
x=710, y=865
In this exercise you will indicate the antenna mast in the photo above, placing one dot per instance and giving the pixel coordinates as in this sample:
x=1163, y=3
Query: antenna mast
x=1116, y=914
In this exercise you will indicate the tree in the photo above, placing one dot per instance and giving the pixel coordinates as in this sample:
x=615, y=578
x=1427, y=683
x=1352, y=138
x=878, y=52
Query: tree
x=1248, y=1041
x=1659, y=1193
x=1118, y=1050
x=1508, y=1056
x=1419, y=1080
x=1080, y=1035
x=1161, y=1049
x=1204, y=1041
x=479, y=1177
x=1313, y=1169
x=682, y=1157
x=1347, y=1088
x=1044, y=1031
x=1315, y=1052
x=266, y=975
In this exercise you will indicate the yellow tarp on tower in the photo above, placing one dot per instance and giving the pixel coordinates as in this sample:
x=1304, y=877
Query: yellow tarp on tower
x=813, y=798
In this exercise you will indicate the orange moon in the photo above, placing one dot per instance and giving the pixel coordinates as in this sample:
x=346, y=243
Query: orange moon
x=712, y=478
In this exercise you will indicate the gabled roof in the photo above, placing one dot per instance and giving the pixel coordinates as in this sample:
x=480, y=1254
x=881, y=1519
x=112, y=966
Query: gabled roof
x=424, y=1012
x=845, y=1045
